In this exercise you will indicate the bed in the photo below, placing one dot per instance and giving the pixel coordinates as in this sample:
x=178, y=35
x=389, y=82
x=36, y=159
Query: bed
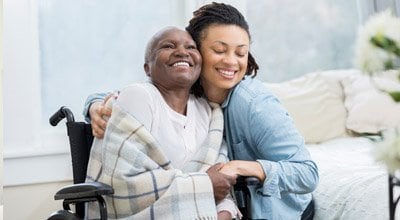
x=334, y=110
x=352, y=184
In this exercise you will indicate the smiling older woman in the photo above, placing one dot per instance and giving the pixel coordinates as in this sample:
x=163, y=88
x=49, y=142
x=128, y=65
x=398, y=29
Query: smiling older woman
x=184, y=130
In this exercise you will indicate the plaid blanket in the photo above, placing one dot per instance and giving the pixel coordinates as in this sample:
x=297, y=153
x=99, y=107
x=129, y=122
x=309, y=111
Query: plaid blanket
x=145, y=183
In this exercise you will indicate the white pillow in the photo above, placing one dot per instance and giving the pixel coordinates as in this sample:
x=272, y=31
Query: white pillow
x=370, y=110
x=315, y=104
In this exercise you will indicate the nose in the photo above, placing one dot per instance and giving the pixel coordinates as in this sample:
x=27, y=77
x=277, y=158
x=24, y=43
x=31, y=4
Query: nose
x=229, y=59
x=181, y=51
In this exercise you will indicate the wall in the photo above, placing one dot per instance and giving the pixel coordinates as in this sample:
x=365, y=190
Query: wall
x=24, y=200
x=1, y=110
x=31, y=201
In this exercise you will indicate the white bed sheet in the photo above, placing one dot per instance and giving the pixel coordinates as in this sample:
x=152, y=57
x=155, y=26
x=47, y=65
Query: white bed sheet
x=352, y=185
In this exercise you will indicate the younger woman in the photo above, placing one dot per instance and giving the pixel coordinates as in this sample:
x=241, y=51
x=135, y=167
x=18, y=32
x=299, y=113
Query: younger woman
x=261, y=136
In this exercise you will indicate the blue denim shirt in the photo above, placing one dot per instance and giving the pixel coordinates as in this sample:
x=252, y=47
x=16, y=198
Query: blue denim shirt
x=257, y=127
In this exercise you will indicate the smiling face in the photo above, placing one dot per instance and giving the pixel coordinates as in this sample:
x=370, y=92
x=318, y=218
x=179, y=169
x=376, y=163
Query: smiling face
x=224, y=49
x=173, y=61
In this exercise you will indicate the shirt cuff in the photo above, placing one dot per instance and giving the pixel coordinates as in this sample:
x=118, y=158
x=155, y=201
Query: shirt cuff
x=229, y=206
x=97, y=97
x=271, y=183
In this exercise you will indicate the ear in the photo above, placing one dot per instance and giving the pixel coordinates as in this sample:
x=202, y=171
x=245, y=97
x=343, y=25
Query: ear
x=146, y=69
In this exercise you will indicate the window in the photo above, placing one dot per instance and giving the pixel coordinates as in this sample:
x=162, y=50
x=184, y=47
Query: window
x=57, y=53
x=297, y=37
x=90, y=47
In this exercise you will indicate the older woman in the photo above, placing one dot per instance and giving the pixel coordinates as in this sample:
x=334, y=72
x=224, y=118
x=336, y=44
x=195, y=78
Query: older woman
x=161, y=141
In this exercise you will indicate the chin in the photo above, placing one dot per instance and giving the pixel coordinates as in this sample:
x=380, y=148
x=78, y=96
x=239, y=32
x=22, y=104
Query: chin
x=228, y=85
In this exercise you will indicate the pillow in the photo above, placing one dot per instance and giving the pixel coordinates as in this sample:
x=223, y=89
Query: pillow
x=370, y=110
x=315, y=104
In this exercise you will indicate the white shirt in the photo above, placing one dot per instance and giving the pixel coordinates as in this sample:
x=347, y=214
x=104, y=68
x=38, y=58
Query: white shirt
x=179, y=135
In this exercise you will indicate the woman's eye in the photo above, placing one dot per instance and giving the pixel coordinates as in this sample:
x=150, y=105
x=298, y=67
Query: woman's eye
x=168, y=46
x=192, y=47
x=241, y=53
x=219, y=51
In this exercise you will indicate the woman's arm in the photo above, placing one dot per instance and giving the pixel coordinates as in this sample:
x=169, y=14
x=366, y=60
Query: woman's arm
x=97, y=113
x=280, y=149
x=92, y=99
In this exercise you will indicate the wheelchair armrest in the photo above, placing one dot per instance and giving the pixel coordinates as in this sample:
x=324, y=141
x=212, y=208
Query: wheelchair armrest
x=243, y=181
x=252, y=181
x=83, y=190
x=242, y=193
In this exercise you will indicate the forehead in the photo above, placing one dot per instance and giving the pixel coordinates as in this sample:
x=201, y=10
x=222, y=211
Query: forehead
x=174, y=35
x=227, y=34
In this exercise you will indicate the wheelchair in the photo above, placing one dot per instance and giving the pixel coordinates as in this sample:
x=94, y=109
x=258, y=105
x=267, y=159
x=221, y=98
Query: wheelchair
x=80, y=140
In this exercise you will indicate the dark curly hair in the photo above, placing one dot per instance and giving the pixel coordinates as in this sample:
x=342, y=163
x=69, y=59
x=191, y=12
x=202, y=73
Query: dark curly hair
x=217, y=13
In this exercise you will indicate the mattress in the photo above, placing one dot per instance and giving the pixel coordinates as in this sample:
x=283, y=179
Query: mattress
x=352, y=184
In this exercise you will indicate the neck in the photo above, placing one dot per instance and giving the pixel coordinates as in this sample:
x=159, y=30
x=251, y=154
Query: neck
x=176, y=99
x=214, y=94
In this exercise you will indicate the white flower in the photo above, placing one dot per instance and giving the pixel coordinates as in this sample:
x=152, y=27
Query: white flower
x=373, y=57
x=368, y=57
x=388, y=151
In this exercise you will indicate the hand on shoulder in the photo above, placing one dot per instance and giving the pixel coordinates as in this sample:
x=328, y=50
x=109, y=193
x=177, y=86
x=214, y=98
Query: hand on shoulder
x=99, y=113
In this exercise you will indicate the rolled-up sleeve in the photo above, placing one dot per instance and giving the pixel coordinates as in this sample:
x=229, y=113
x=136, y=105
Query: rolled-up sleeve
x=270, y=186
x=89, y=101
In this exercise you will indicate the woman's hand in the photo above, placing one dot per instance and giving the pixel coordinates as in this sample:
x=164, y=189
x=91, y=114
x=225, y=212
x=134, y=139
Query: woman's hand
x=224, y=215
x=99, y=113
x=231, y=168
x=222, y=184
x=243, y=168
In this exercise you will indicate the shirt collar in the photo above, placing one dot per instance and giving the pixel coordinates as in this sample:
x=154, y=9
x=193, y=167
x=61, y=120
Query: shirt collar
x=228, y=98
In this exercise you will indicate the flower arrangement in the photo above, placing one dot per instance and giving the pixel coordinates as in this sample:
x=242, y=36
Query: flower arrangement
x=389, y=150
x=378, y=49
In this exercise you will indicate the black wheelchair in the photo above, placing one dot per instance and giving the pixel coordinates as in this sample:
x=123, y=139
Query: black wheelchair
x=80, y=140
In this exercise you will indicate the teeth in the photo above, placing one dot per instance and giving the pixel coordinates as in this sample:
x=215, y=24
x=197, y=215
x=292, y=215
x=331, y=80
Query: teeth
x=181, y=64
x=227, y=73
